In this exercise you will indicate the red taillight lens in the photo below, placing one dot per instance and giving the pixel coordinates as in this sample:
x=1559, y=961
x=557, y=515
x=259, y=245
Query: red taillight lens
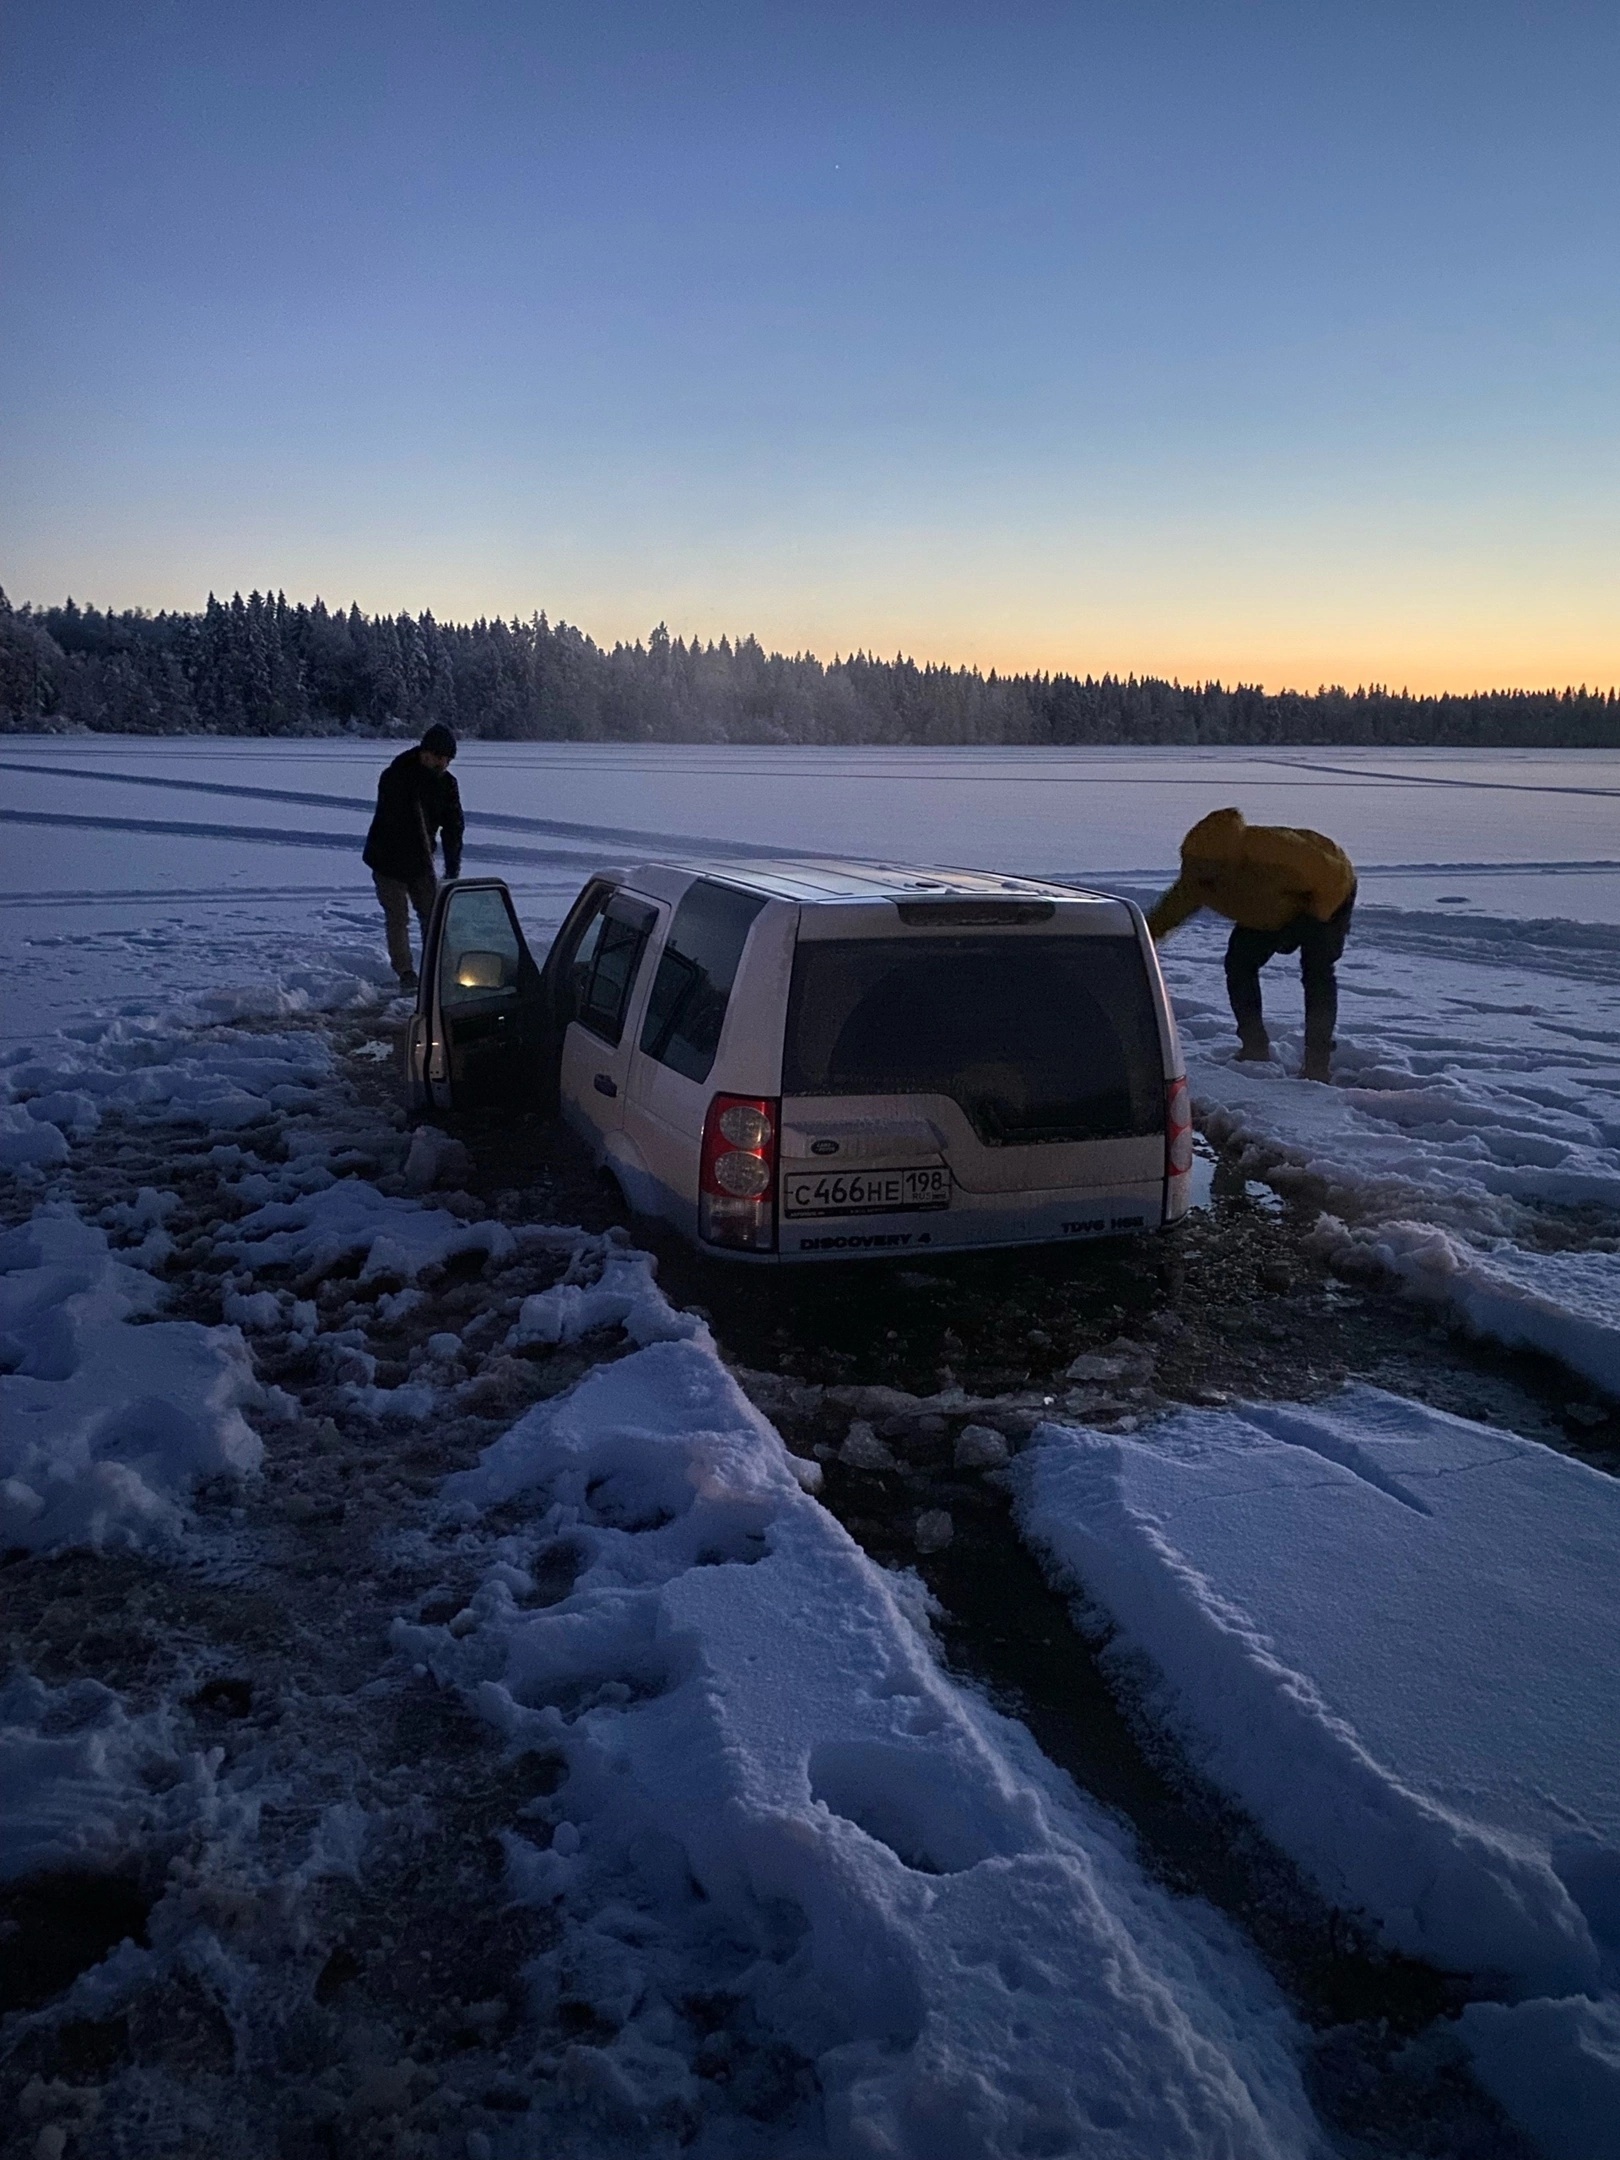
x=1178, y=1132
x=737, y=1173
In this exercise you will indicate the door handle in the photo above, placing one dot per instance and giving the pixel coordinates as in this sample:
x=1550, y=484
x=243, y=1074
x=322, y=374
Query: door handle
x=604, y=1085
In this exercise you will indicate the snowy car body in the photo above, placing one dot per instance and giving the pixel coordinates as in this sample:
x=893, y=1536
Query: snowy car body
x=815, y=1060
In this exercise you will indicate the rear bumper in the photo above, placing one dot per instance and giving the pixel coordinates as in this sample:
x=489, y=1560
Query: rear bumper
x=985, y=1224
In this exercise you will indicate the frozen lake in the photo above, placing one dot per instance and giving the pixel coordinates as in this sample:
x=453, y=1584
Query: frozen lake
x=1468, y=1150
x=127, y=857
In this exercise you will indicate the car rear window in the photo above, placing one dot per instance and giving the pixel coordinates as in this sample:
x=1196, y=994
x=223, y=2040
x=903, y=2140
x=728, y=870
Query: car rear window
x=1038, y=1038
x=695, y=973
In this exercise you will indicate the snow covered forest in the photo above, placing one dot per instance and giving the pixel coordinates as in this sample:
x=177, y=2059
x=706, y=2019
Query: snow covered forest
x=262, y=666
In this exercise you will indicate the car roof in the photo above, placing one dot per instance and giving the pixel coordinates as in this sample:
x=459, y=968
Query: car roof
x=809, y=879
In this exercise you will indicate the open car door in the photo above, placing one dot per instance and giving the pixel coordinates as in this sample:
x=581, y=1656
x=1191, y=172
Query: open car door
x=481, y=1032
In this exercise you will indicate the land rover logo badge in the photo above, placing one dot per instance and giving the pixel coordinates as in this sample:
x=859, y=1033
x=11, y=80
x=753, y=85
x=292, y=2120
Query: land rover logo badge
x=824, y=1147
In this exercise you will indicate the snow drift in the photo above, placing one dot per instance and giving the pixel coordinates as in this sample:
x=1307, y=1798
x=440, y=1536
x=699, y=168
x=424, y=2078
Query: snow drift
x=106, y=1425
x=773, y=1797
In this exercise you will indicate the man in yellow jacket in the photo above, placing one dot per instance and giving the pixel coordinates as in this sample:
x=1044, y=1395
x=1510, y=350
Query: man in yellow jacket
x=1284, y=889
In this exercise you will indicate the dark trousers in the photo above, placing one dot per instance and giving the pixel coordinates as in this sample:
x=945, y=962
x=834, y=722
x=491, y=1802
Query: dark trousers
x=1319, y=945
x=398, y=897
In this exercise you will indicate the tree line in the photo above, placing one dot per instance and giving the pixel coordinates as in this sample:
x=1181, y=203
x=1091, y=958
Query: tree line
x=261, y=666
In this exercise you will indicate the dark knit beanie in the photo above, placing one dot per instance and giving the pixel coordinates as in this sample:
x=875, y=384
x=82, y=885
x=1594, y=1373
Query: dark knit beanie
x=439, y=740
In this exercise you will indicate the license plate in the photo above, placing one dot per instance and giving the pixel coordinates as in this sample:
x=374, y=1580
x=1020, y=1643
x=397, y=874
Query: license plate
x=864, y=1192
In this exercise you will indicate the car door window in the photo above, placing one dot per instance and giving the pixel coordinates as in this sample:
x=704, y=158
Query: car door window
x=698, y=966
x=479, y=950
x=578, y=965
x=479, y=1034
x=605, y=965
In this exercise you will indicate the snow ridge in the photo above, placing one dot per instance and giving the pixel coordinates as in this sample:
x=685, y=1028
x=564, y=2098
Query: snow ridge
x=1255, y=1557
x=773, y=1792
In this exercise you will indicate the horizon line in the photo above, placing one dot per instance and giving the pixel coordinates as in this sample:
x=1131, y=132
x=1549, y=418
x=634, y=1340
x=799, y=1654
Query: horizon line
x=1372, y=687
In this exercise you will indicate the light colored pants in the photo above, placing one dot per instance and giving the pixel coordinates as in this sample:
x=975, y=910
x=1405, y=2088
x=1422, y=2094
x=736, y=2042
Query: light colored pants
x=398, y=897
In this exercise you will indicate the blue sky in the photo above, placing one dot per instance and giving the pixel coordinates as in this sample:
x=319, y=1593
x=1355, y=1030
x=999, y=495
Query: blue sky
x=1275, y=342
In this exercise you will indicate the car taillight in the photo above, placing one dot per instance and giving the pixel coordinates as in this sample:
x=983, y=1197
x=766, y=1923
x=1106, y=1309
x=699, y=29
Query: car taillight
x=1178, y=1149
x=737, y=1173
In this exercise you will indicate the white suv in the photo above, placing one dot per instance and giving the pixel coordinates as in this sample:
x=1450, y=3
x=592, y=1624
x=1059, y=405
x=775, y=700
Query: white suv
x=816, y=1060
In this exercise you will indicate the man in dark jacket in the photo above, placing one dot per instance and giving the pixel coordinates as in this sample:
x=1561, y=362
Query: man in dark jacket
x=416, y=800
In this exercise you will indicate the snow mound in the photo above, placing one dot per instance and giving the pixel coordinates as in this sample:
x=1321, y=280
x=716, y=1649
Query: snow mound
x=158, y=1071
x=1555, y=2067
x=81, y=1778
x=397, y=1236
x=26, y=1138
x=623, y=1294
x=1376, y=1625
x=1566, y=1304
x=775, y=1799
x=106, y=1425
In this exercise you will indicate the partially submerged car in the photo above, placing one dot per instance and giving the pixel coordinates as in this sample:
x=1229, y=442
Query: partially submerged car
x=817, y=1060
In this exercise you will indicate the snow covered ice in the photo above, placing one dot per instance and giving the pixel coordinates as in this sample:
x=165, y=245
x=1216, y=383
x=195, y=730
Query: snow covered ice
x=1378, y=1619
x=1386, y=1632
x=773, y=1791
x=1474, y=1129
x=1389, y=1633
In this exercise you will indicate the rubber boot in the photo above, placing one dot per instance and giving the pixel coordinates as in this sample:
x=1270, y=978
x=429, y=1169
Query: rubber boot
x=1318, y=1061
x=1254, y=1047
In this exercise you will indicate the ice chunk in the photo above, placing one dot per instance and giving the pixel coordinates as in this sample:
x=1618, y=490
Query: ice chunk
x=979, y=1447
x=624, y=1294
x=398, y=1237
x=863, y=1450
x=435, y=1158
x=1375, y=1624
x=934, y=1530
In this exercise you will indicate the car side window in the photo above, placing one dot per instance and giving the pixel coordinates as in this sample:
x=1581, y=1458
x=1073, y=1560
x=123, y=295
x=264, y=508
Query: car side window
x=572, y=955
x=577, y=966
x=605, y=965
x=692, y=988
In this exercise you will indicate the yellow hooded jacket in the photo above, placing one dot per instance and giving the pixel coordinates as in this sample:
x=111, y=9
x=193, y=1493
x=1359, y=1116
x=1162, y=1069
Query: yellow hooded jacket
x=1259, y=876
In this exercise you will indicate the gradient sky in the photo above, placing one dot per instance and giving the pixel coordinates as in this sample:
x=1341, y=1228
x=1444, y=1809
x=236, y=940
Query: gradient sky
x=1277, y=340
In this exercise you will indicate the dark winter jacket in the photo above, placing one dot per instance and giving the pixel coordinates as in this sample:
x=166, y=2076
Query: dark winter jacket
x=414, y=804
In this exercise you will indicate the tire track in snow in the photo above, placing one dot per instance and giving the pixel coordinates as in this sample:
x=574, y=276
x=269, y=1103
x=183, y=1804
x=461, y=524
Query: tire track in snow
x=1444, y=780
x=273, y=836
x=362, y=805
